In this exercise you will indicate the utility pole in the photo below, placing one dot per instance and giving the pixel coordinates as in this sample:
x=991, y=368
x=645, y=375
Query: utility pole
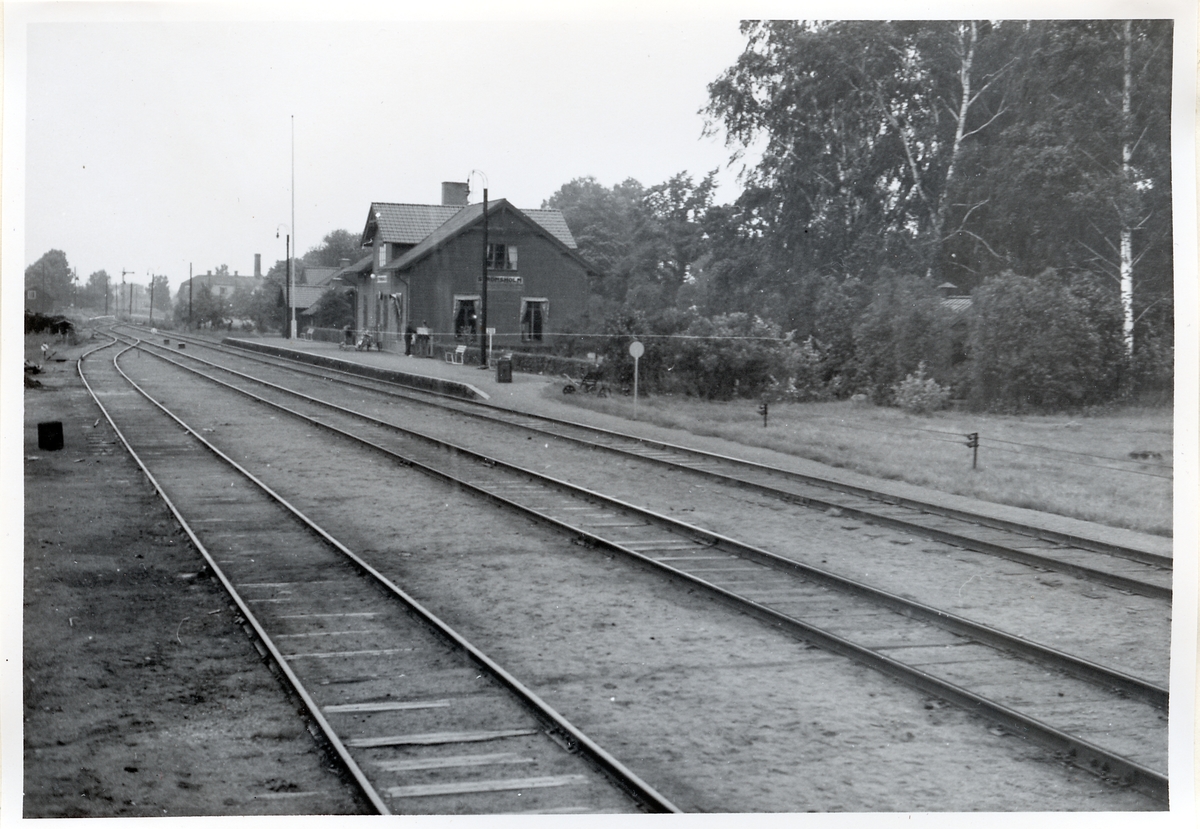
x=189, y=296
x=123, y=272
x=483, y=357
x=483, y=287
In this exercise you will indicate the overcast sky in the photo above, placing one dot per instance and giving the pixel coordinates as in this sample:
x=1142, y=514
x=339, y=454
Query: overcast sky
x=160, y=135
x=152, y=145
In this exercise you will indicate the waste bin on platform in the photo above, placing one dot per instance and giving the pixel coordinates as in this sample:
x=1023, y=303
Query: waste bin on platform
x=504, y=369
x=50, y=436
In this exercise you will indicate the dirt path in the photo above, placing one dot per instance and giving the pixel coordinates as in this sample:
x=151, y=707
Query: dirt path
x=142, y=696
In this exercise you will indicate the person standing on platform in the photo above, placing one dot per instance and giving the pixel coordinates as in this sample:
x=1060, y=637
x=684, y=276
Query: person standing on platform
x=408, y=339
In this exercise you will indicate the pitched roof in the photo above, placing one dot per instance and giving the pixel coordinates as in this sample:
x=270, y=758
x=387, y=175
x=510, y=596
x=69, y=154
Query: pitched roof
x=555, y=222
x=306, y=296
x=411, y=224
x=361, y=266
x=319, y=274
x=406, y=224
x=551, y=221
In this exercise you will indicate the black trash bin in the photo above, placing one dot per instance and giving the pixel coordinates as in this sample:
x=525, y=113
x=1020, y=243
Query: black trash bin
x=50, y=436
x=504, y=370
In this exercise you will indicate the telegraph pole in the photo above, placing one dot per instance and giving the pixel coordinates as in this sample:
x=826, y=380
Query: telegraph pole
x=483, y=287
x=483, y=356
x=123, y=272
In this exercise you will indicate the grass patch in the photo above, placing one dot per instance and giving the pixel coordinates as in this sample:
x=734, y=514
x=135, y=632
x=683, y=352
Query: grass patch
x=1081, y=467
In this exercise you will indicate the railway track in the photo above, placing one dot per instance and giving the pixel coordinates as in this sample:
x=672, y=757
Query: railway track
x=1097, y=717
x=421, y=719
x=1116, y=566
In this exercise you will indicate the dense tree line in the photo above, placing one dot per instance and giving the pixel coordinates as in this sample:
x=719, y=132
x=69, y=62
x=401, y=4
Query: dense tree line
x=1025, y=163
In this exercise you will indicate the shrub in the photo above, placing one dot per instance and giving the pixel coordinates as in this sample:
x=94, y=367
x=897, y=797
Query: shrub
x=801, y=364
x=919, y=394
x=1153, y=367
x=1044, y=343
x=714, y=358
x=905, y=325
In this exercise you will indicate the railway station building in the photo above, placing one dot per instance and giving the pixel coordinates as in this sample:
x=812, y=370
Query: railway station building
x=424, y=269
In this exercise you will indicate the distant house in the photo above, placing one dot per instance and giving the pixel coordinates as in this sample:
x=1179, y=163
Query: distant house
x=951, y=299
x=38, y=300
x=958, y=305
x=305, y=298
x=318, y=275
x=222, y=285
x=425, y=268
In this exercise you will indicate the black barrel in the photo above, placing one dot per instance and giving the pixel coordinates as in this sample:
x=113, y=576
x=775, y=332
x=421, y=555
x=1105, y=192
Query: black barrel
x=50, y=436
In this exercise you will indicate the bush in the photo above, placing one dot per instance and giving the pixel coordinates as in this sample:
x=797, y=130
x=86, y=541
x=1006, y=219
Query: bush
x=802, y=367
x=919, y=394
x=1044, y=343
x=714, y=358
x=55, y=324
x=1153, y=369
x=905, y=325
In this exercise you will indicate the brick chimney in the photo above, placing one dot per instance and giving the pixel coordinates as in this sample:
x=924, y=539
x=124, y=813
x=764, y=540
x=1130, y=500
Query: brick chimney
x=257, y=265
x=454, y=194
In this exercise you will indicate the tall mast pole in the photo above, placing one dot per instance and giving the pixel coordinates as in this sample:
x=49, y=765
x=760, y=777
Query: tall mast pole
x=291, y=275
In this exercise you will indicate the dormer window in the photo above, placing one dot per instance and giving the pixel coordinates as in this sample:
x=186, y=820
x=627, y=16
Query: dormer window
x=502, y=257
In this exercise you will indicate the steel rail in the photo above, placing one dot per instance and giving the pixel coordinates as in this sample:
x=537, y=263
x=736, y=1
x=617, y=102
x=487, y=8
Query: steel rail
x=502, y=415
x=1084, y=753
x=575, y=739
x=1076, y=666
x=277, y=657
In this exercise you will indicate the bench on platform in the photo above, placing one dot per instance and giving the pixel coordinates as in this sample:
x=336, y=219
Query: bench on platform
x=456, y=356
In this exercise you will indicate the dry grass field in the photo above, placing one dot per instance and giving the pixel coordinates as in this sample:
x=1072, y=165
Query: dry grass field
x=1114, y=468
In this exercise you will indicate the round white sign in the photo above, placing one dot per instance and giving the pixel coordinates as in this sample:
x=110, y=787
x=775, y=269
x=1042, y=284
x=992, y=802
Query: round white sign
x=636, y=349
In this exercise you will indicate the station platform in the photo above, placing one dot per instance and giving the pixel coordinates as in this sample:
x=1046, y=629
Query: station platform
x=467, y=381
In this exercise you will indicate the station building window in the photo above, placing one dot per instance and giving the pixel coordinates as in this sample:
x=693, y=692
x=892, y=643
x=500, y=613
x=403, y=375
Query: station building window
x=464, y=316
x=502, y=257
x=533, y=318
